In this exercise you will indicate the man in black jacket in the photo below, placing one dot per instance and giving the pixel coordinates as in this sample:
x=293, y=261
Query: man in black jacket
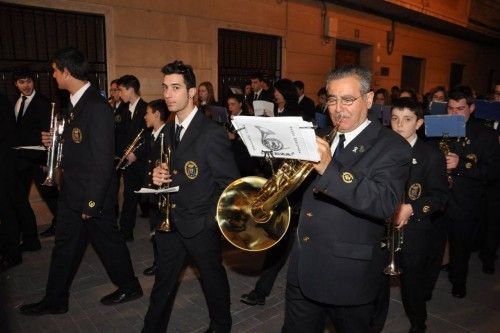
x=306, y=105
x=336, y=262
x=86, y=206
x=32, y=114
x=202, y=166
x=133, y=175
x=473, y=161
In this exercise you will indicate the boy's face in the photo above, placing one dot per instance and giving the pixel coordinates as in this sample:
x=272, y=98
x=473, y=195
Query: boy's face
x=25, y=86
x=405, y=123
x=150, y=117
x=126, y=93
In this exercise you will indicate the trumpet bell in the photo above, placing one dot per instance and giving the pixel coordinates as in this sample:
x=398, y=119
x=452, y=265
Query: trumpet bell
x=236, y=220
x=164, y=226
x=392, y=269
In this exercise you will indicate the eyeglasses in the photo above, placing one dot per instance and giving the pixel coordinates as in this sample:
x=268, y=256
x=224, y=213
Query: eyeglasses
x=344, y=100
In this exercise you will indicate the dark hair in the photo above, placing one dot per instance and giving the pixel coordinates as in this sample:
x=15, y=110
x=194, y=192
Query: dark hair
x=461, y=92
x=362, y=74
x=210, y=90
x=73, y=60
x=299, y=84
x=115, y=81
x=288, y=90
x=241, y=99
x=436, y=89
x=384, y=92
x=412, y=92
x=257, y=75
x=23, y=73
x=159, y=105
x=321, y=91
x=130, y=81
x=178, y=67
x=408, y=103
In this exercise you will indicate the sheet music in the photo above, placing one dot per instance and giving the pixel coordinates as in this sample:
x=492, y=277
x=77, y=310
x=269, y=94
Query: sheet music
x=263, y=108
x=283, y=137
x=146, y=190
x=40, y=148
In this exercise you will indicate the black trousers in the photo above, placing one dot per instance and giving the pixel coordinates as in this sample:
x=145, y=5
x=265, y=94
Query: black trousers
x=24, y=212
x=9, y=226
x=49, y=194
x=420, y=270
x=72, y=237
x=305, y=315
x=491, y=225
x=205, y=251
x=275, y=260
x=461, y=240
x=132, y=181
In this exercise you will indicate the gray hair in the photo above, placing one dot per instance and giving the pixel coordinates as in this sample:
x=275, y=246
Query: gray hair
x=363, y=75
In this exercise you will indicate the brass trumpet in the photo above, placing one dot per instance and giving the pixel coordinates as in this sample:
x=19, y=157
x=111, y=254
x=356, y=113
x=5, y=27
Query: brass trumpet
x=394, y=243
x=164, y=199
x=136, y=143
x=54, y=151
x=253, y=213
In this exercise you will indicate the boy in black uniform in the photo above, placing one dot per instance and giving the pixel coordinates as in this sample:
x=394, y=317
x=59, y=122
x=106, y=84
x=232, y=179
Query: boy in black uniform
x=473, y=161
x=426, y=193
x=86, y=206
x=133, y=175
x=149, y=153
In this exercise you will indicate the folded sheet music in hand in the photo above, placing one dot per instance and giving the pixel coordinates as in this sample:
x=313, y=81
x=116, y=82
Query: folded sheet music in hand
x=279, y=137
x=146, y=190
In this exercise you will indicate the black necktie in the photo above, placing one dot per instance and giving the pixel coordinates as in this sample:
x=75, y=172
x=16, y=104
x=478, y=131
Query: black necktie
x=340, y=147
x=178, y=129
x=255, y=96
x=21, y=109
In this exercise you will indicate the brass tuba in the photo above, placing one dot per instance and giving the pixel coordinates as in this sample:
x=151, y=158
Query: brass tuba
x=136, y=143
x=164, y=199
x=54, y=151
x=253, y=213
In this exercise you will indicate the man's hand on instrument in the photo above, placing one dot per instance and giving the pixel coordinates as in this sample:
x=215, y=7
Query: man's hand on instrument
x=452, y=161
x=46, y=138
x=131, y=158
x=403, y=215
x=161, y=175
x=325, y=156
x=86, y=217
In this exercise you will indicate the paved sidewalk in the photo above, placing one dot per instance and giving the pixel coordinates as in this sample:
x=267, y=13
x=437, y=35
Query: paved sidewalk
x=478, y=312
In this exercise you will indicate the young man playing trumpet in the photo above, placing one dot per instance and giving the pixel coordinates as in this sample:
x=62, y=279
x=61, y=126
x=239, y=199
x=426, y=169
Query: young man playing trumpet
x=426, y=193
x=155, y=117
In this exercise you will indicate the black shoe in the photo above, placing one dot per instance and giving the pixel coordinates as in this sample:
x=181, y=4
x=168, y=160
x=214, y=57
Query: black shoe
x=459, y=290
x=253, y=298
x=150, y=271
x=488, y=269
x=49, y=232
x=42, y=308
x=120, y=296
x=32, y=248
x=417, y=329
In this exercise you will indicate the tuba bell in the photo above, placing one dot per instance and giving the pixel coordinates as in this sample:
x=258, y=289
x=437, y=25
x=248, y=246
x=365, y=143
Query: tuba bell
x=253, y=213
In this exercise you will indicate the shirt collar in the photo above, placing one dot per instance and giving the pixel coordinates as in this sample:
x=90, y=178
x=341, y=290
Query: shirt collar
x=412, y=143
x=28, y=98
x=76, y=96
x=131, y=106
x=349, y=136
x=185, y=123
x=157, y=132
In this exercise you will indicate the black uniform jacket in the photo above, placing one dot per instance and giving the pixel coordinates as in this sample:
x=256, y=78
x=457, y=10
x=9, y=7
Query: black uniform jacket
x=202, y=166
x=479, y=162
x=88, y=182
x=36, y=118
x=149, y=152
x=337, y=258
x=126, y=128
x=427, y=187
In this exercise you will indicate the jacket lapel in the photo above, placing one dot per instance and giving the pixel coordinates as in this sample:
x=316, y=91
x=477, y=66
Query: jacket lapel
x=360, y=145
x=191, y=133
x=76, y=111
